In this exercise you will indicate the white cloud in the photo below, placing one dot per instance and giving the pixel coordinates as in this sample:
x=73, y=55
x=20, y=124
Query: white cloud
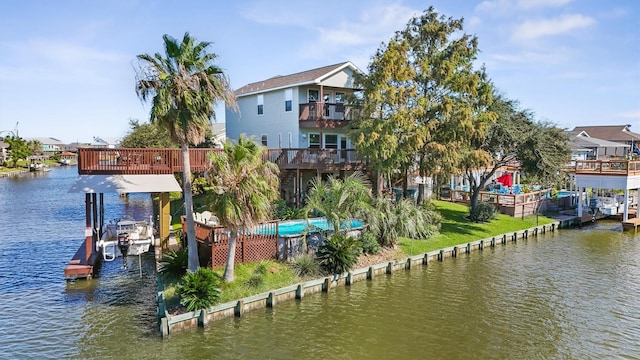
x=530, y=4
x=533, y=29
x=553, y=57
x=374, y=25
x=52, y=60
x=570, y=75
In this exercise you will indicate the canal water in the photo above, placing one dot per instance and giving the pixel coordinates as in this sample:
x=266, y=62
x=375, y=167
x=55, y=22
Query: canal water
x=573, y=294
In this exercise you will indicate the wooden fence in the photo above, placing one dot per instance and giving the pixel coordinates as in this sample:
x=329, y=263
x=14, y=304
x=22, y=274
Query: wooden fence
x=261, y=244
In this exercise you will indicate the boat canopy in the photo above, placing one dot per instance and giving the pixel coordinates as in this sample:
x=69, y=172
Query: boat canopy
x=123, y=184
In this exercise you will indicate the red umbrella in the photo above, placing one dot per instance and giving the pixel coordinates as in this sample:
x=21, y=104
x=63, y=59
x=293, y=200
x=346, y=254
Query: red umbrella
x=505, y=179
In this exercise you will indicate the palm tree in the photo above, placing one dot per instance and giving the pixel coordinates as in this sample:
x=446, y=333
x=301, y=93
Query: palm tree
x=184, y=86
x=243, y=188
x=340, y=200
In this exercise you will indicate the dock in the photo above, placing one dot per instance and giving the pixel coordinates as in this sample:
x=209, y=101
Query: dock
x=631, y=224
x=81, y=266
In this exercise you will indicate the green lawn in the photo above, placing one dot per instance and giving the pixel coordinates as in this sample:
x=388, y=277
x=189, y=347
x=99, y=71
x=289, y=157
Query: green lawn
x=456, y=230
x=253, y=279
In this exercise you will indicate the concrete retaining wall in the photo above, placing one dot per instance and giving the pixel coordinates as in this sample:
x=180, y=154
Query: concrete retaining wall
x=237, y=308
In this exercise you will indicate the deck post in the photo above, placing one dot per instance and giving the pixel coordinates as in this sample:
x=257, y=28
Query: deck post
x=164, y=222
x=88, y=233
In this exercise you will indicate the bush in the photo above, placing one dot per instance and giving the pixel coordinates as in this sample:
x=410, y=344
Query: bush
x=286, y=212
x=482, y=213
x=199, y=289
x=338, y=254
x=306, y=266
x=369, y=243
x=174, y=263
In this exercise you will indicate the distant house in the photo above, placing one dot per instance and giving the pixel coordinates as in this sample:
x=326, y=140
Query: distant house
x=50, y=146
x=3, y=151
x=615, y=133
x=73, y=147
x=302, y=110
x=103, y=142
x=585, y=147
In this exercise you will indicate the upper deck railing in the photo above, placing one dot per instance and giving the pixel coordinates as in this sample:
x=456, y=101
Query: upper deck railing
x=605, y=167
x=103, y=161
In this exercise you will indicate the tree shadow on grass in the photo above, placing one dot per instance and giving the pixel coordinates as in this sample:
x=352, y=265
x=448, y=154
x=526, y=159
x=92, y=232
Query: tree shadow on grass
x=456, y=222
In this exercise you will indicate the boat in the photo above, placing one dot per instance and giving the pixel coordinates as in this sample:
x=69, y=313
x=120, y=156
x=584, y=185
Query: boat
x=39, y=167
x=64, y=162
x=126, y=237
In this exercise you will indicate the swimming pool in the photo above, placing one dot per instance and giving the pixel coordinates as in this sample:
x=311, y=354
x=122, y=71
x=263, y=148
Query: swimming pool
x=564, y=193
x=297, y=227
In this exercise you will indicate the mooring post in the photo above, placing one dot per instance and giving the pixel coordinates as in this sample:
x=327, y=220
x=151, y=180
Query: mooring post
x=239, y=309
x=299, y=292
x=202, y=318
x=326, y=285
x=370, y=273
x=271, y=300
x=389, y=267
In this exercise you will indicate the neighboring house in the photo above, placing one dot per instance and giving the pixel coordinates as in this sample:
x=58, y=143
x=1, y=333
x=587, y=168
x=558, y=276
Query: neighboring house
x=3, y=151
x=615, y=133
x=585, y=147
x=303, y=118
x=109, y=143
x=73, y=147
x=50, y=146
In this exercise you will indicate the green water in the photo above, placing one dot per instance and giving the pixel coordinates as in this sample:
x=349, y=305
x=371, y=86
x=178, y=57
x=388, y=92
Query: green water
x=574, y=294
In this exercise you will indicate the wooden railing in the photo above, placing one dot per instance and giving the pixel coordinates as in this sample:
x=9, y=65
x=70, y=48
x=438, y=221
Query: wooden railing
x=605, y=167
x=326, y=111
x=102, y=161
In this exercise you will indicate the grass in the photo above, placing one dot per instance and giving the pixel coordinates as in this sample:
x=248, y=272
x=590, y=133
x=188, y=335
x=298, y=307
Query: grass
x=455, y=230
x=252, y=279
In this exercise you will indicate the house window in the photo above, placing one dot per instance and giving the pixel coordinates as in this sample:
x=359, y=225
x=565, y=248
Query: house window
x=288, y=99
x=313, y=95
x=260, y=104
x=314, y=141
x=331, y=141
x=264, y=139
x=339, y=98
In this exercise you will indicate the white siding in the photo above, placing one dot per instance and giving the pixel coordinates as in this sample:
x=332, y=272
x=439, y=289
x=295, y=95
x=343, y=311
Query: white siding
x=273, y=121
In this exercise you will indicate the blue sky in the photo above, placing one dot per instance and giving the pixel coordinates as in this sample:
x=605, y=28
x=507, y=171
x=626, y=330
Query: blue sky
x=67, y=67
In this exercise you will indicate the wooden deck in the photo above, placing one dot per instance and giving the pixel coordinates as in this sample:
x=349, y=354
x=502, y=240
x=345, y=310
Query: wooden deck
x=121, y=161
x=631, y=224
x=605, y=167
x=81, y=267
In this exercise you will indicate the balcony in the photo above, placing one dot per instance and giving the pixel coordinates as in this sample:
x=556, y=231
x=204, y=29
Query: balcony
x=605, y=167
x=131, y=161
x=326, y=115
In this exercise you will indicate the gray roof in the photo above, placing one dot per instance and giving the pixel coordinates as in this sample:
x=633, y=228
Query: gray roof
x=620, y=133
x=46, y=140
x=313, y=76
x=579, y=140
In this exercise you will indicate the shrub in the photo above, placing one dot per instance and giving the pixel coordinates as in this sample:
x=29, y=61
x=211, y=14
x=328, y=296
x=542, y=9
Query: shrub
x=255, y=281
x=483, y=212
x=369, y=243
x=174, y=263
x=286, y=212
x=199, y=289
x=338, y=254
x=306, y=266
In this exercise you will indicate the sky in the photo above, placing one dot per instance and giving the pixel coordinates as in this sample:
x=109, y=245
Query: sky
x=67, y=68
